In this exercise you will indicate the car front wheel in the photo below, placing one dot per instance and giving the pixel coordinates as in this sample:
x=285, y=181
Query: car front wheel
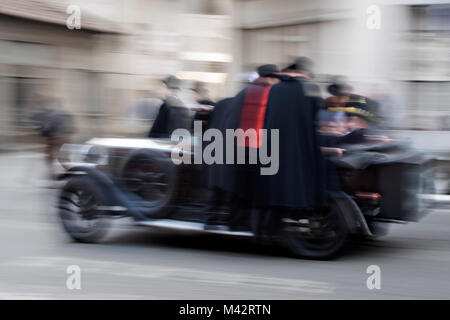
x=79, y=207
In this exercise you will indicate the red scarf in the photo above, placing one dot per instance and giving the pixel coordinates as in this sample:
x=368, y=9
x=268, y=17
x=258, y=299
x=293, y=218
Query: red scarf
x=253, y=113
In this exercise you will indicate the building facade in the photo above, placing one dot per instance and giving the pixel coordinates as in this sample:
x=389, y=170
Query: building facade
x=119, y=55
x=398, y=47
x=125, y=47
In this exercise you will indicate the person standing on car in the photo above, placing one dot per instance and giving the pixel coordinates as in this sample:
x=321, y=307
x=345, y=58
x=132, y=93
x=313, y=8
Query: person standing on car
x=245, y=111
x=251, y=117
x=173, y=113
x=299, y=183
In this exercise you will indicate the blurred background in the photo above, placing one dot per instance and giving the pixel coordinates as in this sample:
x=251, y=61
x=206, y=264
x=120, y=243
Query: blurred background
x=124, y=49
x=397, y=52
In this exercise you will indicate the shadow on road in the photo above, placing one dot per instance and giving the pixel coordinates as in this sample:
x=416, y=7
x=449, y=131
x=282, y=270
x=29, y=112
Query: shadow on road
x=355, y=249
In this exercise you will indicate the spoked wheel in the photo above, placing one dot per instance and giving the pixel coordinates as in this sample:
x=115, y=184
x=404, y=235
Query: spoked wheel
x=152, y=178
x=78, y=208
x=316, y=234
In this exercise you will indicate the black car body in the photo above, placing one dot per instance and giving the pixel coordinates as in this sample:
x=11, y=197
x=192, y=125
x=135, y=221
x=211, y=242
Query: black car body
x=115, y=177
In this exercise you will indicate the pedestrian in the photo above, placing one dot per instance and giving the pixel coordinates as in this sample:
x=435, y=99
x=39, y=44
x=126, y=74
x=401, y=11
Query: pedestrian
x=56, y=128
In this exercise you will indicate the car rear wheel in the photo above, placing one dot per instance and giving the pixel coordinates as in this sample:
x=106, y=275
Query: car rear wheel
x=318, y=234
x=78, y=208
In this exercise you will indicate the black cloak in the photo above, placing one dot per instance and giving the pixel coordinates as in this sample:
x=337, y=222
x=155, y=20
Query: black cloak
x=235, y=178
x=222, y=117
x=300, y=180
x=173, y=114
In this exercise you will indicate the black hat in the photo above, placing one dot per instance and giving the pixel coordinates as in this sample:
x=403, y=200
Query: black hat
x=339, y=85
x=301, y=64
x=172, y=82
x=267, y=70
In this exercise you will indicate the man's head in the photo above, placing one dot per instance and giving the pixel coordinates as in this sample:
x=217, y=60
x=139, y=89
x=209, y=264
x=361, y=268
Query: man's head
x=267, y=70
x=172, y=83
x=302, y=66
x=267, y=73
x=340, y=87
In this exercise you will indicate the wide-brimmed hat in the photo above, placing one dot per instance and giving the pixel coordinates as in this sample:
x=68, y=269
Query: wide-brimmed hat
x=339, y=85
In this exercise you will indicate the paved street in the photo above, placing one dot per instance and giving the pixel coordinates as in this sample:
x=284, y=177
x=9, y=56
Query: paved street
x=140, y=263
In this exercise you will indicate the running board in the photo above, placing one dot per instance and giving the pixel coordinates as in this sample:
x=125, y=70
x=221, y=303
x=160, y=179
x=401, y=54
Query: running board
x=190, y=226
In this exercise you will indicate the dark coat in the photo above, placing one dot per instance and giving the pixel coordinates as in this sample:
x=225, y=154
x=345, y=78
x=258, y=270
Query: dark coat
x=300, y=180
x=222, y=118
x=235, y=178
x=238, y=179
x=173, y=114
x=160, y=126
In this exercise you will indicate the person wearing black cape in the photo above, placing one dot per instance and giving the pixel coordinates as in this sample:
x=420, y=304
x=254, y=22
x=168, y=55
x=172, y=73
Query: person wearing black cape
x=300, y=180
x=215, y=174
x=244, y=111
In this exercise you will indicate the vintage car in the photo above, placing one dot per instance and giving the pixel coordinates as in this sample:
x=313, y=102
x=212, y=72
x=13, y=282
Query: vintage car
x=106, y=178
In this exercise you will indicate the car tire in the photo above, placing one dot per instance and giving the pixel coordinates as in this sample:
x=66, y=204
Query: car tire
x=151, y=177
x=77, y=211
x=300, y=245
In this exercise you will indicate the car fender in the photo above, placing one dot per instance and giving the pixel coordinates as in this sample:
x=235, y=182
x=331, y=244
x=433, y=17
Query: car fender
x=353, y=216
x=114, y=197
